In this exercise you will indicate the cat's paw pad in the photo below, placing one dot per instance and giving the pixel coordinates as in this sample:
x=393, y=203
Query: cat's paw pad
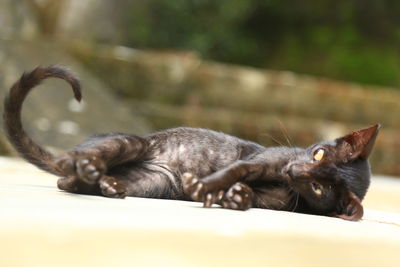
x=238, y=197
x=111, y=187
x=199, y=191
x=90, y=169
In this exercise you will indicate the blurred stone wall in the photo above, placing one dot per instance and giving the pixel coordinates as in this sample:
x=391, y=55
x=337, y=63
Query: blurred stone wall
x=269, y=107
x=50, y=114
x=17, y=20
x=166, y=89
x=30, y=36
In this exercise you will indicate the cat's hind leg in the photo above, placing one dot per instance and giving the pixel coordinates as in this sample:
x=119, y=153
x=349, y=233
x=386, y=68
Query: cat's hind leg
x=80, y=174
x=85, y=167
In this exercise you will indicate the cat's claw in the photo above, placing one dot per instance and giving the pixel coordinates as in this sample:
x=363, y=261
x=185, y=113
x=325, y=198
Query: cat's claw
x=238, y=197
x=199, y=191
x=111, y=187
x=192, y=186
x=212, y=198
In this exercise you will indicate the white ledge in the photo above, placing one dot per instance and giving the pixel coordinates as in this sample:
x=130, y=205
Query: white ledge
x=42, y=226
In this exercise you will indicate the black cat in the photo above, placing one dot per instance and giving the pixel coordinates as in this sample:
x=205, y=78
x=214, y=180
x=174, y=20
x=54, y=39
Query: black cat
x=328, y=178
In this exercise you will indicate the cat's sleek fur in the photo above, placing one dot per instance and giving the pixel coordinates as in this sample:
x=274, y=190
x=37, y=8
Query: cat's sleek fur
x=328, y=178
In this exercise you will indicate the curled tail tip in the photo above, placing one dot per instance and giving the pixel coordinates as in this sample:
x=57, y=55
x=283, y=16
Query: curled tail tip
x=73, y=80
x=76, y=87
x=78, y=97
x=66, y=74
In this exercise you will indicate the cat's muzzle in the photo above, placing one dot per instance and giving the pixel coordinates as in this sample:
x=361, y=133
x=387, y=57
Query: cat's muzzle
x=296, y=171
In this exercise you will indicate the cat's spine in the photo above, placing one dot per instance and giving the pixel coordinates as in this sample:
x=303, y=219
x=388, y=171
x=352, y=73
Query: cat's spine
x=26, y=147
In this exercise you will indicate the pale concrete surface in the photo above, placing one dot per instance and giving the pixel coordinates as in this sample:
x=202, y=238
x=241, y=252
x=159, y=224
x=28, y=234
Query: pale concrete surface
x=42, y=226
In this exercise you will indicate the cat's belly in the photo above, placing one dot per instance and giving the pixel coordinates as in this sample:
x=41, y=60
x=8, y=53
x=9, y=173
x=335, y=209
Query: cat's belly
x=198, y=151
x=199, y=162
x=161, y=177
x=149, y=180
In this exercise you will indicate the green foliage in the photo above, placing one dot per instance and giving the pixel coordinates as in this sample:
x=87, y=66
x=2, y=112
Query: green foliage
x=345, y=39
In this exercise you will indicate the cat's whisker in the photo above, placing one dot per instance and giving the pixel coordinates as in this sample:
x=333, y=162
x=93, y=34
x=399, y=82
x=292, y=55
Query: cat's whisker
x=285, y=133
x=297, y=202
x=293, y=195
x=274, y=139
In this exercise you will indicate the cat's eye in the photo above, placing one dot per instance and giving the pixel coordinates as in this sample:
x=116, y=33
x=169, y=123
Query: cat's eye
x=317, y=188
x=319, y=154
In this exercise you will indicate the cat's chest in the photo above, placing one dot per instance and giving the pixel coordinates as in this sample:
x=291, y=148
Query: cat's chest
x=274, y=196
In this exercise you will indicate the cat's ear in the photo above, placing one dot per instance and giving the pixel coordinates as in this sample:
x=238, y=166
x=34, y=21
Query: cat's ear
x=358, y=144
x=349, y=208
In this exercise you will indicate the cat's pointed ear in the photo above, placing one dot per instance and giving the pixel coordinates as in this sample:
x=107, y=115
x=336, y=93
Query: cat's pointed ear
x=358, y=144
x=349, y=208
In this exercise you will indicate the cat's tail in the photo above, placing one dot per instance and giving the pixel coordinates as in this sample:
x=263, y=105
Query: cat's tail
x=26, y=147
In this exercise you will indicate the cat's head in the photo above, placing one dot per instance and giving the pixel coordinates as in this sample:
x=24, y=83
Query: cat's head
x=333, y=177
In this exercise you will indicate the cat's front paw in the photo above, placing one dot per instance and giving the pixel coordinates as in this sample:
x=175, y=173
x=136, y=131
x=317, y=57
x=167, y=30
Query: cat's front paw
x=200, y=190
x=238, y=197
x=112, y=187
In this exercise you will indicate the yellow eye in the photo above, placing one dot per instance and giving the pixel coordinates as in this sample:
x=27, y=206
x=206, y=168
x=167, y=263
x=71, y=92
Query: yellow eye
x=317, y=188
x=319, y=154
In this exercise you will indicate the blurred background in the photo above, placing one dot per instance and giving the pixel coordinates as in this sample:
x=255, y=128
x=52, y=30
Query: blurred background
x=292, y=72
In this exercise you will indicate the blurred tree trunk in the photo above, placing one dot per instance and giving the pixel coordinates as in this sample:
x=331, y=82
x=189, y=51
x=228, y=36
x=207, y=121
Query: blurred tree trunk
x=48, y=13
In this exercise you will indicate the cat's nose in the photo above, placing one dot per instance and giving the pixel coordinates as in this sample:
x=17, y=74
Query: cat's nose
x=294, y=170
x=287, y=171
